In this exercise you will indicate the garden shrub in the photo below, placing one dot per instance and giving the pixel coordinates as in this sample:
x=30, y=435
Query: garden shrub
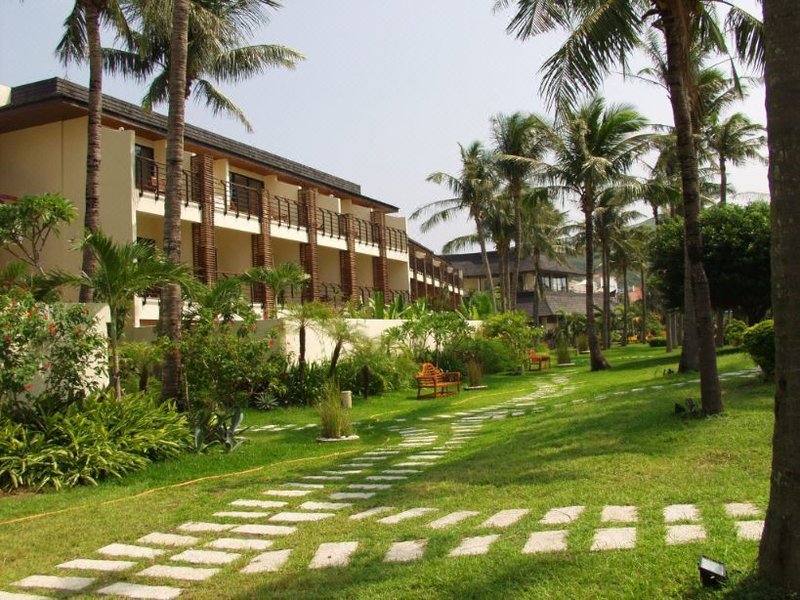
x=734, y=331
x=657, y=342
x=759, y=342
x=376, y=368
x=93, y=439
x=512, y=329
x=335, y=419
x=138, y=363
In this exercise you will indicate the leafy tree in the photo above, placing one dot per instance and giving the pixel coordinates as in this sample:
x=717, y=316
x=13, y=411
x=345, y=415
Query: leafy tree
x=27, y=223
x=280, y=279
x=513, y=330
x=779, y=554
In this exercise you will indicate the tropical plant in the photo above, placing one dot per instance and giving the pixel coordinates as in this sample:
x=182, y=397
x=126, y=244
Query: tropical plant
x=335, y=419
x=735, y=140
x=281, y=279
x=759, y=342
x=513, y=330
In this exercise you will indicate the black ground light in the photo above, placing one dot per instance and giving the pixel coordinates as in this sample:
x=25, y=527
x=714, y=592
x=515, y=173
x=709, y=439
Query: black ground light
x=712, y=573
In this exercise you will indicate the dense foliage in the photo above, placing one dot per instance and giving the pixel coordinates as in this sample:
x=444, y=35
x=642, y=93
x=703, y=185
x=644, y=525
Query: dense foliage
x=759, y=342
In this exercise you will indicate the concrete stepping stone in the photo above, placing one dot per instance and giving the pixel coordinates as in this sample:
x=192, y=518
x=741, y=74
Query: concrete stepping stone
x=351, y=495
x=749, y=530
x=288, y=493
x=268, y=562
x=259, y=503
x=131, y=551
x=86, y=564
x=619, y=514
x=406, y=551
x=241, y=514
x=145, y=592
x=297, y=517
x=51, y=582
x=345, y=472
x=400, y=471
x=265, y=529
x=369, y=486
x=371, y=512
x=206, y=557
x=322, y=478
x=305, y=486
x=239, y=544
x=374, y=458
x=423, y=457
x=615, y=538
x=505, y=518
x=380, y=452
x=333, y=554
x=405, y=515
x=414, y=464
x=325, y=505
x=473, y=546
x=180, y=573
x=15, y=596
x=546, y=541
x=683, y=534
x=201, y=527
x=453, y=518
x=681, y=512
x=739, y=510
x=167, y=539
x=386, y=478
x=562, y=515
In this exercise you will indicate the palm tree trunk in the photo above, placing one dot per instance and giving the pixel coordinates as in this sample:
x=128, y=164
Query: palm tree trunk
x=779, y=553
x=485, y=258
x=689, y=356
x=644, y=306
x=625, y=303
x=676, y=22
x=537, y=288
x=515, y=197
x=91, y=219
x=171, y=301
x=502, y=258
x=606, y=276
x=596, y=358
x=723, y=180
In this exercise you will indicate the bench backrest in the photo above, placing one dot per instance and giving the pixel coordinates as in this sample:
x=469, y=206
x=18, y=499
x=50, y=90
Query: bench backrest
x=429, y=370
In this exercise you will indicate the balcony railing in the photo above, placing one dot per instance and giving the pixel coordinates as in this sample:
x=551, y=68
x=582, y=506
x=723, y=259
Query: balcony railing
x=237, y=199
x=365, y=232
x=331, y=292
x=151, y=177
x=330, y=223
x=396, y=239
x=287, y=212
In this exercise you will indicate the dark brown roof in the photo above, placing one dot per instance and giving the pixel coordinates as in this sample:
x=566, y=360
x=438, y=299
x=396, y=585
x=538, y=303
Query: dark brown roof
x=472, y=264
x=57, y=99
x=569, y=302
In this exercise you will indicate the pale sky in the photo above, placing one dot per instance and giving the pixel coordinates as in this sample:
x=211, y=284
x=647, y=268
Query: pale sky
x=387, y=91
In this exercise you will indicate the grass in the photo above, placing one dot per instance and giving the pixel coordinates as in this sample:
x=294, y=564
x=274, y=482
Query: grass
x=620, y=447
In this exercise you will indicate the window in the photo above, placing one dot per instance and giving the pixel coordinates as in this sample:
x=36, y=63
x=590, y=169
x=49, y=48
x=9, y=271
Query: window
x=246, y=193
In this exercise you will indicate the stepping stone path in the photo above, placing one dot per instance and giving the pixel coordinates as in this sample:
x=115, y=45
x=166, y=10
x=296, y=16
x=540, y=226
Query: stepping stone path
x=406, y=551
x=681, y=512
x=182, y=573
x=265, y=529
x=546, y=541
x=288, y=493
x=267, y=562
x=130, y=551
x=351, y=495
x=133, y=590
x=617, y=538
x=619, y=514
x=297, y=517
x=405, y=515
x=325, y=505
x=371, y=512
x=749, y=530
x=505, y=518
x=336, y=554
x=199, y=527
x=71, y=584
x=86, y=564
x=682, y=534
x=206, y=557
x=453, y=518
x=741, y=509
x=239, y=544
x=259, y=503
x=472, y=546
x=562, y=515
x=168, y=539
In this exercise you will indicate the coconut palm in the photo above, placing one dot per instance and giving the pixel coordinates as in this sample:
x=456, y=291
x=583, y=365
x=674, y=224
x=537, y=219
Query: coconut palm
x=171, y=300
x=594, y=147
x=473, y=189
x=216, y=54
x=779, y=554
x=734, y=140
x=123, y=271
x=81, y=43
x=601, y=35
x=520, y=144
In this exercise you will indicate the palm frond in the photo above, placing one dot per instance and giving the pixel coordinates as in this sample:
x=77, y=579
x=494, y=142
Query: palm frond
x=219, y=103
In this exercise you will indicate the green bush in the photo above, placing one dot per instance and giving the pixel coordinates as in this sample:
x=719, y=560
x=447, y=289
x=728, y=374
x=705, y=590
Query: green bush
x=513, y=331
x=759, y=342
x=378, y=370
x=94, y=439
x=334, y=418
x=657, y=342
x=734, y=331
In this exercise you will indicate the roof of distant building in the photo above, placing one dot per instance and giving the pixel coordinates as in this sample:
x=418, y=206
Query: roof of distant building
x=472, y=264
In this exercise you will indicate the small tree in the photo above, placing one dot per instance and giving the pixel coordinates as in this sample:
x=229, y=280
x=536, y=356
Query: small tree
x=513, y=329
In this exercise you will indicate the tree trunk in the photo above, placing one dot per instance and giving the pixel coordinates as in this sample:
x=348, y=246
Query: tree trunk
x=515, y=198
x=670, y=328
x=676, y=21
x=502, y=257
x=596, y=359
x=171, y=301
x=91, y=219
x=485, y=258
x=537, y=292
x=688, y=340
x=720, y=329
x=606, y=276
x=723, y=180
x=644, y=307
x=779, y=555
x=625, y=302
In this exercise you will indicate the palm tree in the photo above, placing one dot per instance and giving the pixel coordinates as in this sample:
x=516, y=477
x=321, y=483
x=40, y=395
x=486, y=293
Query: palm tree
x=217, y=31
x=280, y=279
x=171, y=301
x=520, y=145
x=779, y=554
x=122, y=272
x=473, y=190
x=601, y=36
x=734, y=140
x=81, y=42
x=594, y=147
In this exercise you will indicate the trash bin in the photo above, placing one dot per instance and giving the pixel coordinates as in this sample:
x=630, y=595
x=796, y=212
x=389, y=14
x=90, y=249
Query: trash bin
x=346, y=398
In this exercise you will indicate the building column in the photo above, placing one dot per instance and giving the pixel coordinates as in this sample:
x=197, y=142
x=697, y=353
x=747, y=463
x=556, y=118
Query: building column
x=309, y=253
x=380, y=270
x=347, y=260
x=203, y=193
x=262, y=253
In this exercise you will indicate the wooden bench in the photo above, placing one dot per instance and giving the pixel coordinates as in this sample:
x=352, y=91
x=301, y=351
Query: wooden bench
x=431, y=376
x=539, y=359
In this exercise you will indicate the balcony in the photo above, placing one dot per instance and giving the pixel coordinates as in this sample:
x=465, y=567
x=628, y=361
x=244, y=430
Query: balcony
x=396, y=239
x=151, y=177
x=331, y=223
x=287, y=212
x=237, y=199
x=366, y=232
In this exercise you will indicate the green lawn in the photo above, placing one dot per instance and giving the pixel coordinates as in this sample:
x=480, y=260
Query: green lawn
x=616, y=448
